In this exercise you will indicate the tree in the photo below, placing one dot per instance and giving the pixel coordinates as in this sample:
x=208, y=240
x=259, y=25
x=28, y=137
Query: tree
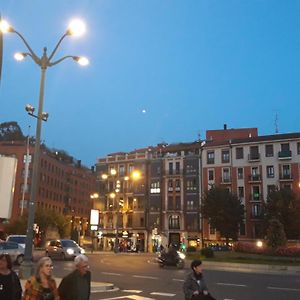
x=223, y=210
x=285, y=207
x=275, y=234
x=11, y=131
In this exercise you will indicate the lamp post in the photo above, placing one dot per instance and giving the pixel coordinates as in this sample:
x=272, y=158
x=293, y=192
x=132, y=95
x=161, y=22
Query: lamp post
x=76, y=27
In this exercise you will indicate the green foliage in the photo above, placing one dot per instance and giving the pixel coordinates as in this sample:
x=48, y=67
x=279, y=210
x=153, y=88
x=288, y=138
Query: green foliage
x=283, y=206
x=223, y=210
x=19, y=226
x=275, y=234
x=207, y=252
x=11, y=131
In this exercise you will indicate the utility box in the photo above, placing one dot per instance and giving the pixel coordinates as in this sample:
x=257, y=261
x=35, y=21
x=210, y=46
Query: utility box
x=8, y=169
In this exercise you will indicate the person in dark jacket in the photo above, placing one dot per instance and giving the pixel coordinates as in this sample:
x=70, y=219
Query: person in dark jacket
x=10, y=286
x=194, y=286
x=77, y=285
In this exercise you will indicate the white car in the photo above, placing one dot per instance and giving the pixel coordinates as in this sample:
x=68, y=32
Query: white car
x=17, y=238
x=63, y=249
x=15, y=251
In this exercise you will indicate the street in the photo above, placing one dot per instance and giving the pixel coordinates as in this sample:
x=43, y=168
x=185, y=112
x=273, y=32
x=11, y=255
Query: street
x=138, y=277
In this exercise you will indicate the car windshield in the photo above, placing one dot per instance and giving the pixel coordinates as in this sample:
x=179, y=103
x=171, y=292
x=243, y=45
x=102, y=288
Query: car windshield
x=17, y=239
x=68, y=243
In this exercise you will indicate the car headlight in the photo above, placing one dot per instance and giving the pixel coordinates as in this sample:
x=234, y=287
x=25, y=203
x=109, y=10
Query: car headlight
x=181, y=255
x=82, y=251
x=70, y=251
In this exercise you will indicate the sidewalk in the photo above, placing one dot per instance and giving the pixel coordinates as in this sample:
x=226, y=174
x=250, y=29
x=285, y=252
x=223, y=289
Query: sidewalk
x=96, y=287
x=252, y=268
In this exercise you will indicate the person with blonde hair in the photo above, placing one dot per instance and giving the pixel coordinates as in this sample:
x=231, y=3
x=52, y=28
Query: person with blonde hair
x=42, y=285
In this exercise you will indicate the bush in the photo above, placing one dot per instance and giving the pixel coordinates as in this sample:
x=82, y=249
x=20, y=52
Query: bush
x=288, y=251
x=207, y=252
x=191, y=249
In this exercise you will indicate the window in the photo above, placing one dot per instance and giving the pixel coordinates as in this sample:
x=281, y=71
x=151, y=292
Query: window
x=269, y=151
x=155, y=187
x=174, y=222
x=254, y=154
x=286, y=172
x=189, y=204
x=225, y=156
x=226, y=175
x=270, y=171
x=212, y=230
x=285, y=147
x=170, y=203
x=170, y=168
x=177, y=166
x=240, y=173
x=190, y=169
x=239, y=153
x=170, y=185
x=256, y=210
x=241, y=191
x=210, y=174
x=191, y=185
x=210, y=157
x=177, y=203
x=122, y=170
x=298, y=148
x=255, y=193
x=177, y=185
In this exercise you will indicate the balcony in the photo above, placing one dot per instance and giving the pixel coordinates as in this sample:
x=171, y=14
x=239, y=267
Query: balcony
x=253, y=157
x=226, y=180
x=284, y=155
x=256, y=197
x=255, y=178
x=285, y=177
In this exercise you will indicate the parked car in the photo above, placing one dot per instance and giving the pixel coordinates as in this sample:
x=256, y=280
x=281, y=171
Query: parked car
x=63, y=249
x=15, y=251
x=17, y=238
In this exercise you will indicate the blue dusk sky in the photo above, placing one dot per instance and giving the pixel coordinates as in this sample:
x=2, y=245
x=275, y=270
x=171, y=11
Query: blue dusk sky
x=160, y=70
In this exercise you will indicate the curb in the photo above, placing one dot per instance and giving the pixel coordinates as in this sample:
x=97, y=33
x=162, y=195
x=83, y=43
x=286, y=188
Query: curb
x=96, y=287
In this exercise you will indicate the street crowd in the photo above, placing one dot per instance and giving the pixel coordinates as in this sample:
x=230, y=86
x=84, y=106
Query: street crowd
x=42, y=285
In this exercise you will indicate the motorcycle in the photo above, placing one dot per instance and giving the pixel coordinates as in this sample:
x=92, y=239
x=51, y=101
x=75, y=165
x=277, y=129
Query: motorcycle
x=164, y=259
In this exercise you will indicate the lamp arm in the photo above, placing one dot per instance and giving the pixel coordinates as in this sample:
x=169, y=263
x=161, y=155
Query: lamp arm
x=56, y=47
x=60, y=60
x=32, y=54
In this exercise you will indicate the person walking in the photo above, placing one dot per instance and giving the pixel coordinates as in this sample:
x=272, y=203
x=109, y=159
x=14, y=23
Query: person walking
x=10, y=286
x=42, y=285
x=77, y=285
x=194, y=286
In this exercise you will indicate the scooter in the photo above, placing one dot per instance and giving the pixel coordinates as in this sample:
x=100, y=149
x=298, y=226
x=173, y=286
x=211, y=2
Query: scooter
x=166, y=260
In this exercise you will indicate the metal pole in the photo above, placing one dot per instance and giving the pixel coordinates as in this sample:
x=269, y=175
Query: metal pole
x=26, y=269
x=26, y=174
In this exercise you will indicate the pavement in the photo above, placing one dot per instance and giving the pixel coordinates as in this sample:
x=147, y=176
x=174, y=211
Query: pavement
x=96, y=287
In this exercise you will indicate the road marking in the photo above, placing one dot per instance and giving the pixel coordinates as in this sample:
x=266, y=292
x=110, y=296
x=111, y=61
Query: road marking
x=231, y=284
x=284, y=289
x=145, y=277
x=114, y=274
x=132, y=291
x=134, y=297
x=175, y=279
x=163, y=294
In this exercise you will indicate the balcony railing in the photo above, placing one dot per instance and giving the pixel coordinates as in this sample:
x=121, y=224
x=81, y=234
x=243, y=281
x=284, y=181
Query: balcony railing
x=253, y=157
x=226, y=180
x=286, y=154
x=256, y=177
x=285, y=177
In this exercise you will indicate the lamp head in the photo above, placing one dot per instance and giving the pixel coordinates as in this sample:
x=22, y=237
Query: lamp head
x=19, y=56
x=76, y=28
x=45, y=116
x=83, y=61
x=5, y=27
x=29, y=108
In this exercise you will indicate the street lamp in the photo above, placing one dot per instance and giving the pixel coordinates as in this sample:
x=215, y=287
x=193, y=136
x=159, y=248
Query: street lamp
x=75, y=28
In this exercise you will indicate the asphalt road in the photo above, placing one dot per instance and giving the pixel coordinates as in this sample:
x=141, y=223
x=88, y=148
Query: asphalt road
x=138, y=277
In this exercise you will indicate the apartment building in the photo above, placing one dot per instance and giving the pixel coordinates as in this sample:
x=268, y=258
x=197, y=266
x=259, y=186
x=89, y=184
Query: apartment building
x=250, y=166
x=64, y=185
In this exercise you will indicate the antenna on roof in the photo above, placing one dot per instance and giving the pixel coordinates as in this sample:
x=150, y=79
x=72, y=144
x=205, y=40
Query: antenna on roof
x=276, y=123
x=198, y=136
